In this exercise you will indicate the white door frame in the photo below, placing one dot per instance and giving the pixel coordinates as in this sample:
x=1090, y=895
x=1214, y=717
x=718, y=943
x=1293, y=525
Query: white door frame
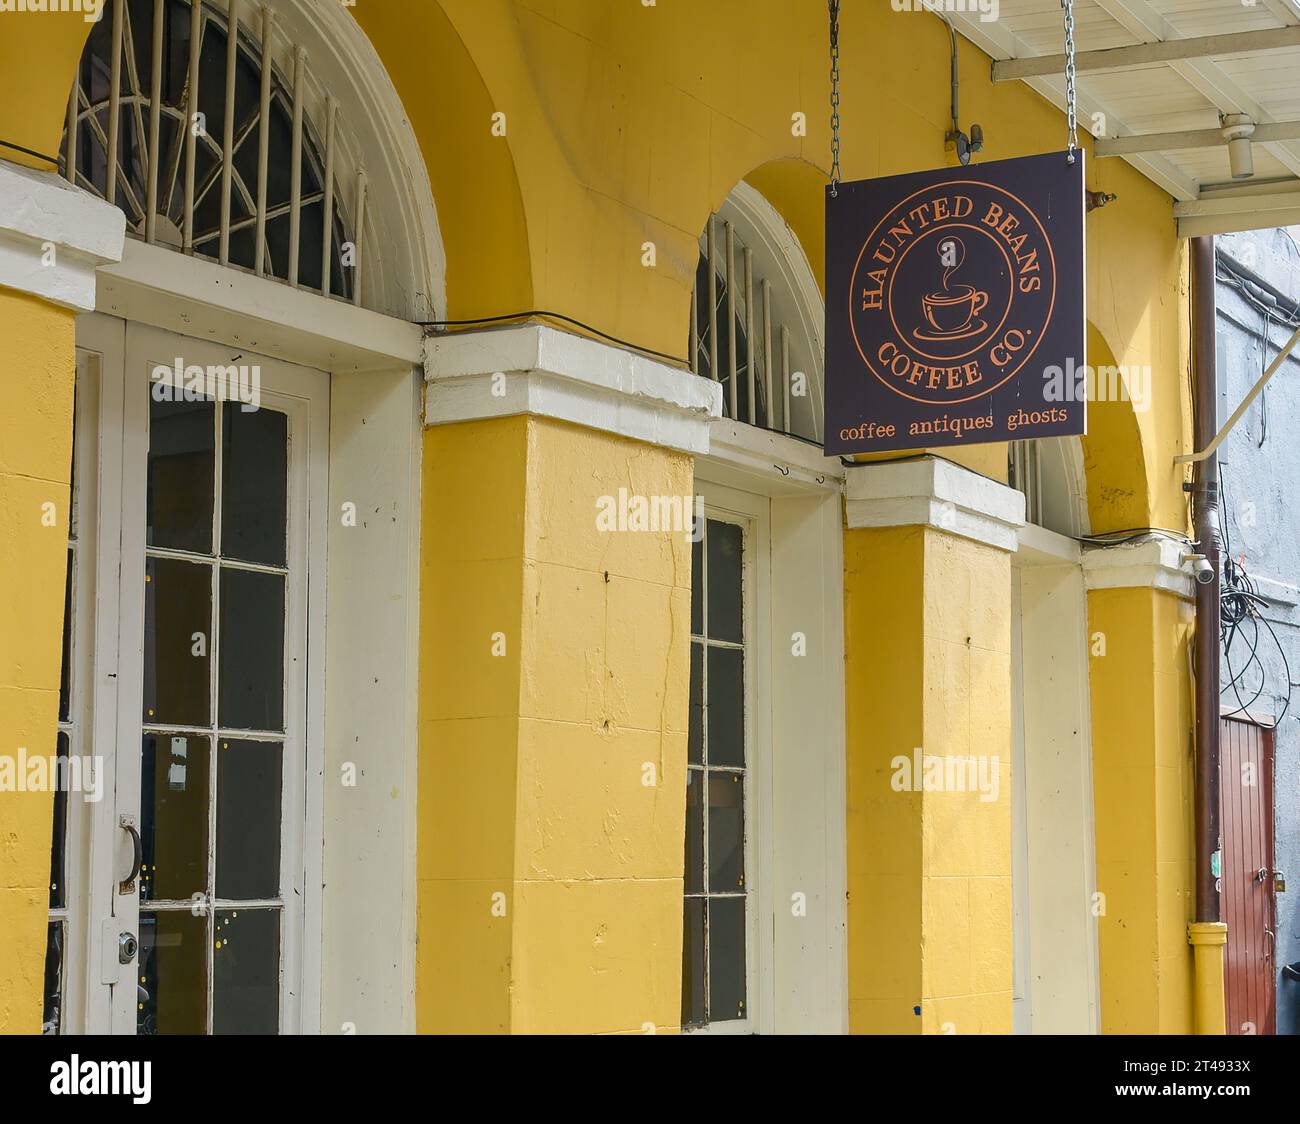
x=375, y=364
x=303, y=395
x=803, y=987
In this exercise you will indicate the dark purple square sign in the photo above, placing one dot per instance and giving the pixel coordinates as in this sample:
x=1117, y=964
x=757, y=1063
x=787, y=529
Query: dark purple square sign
x=955, y=306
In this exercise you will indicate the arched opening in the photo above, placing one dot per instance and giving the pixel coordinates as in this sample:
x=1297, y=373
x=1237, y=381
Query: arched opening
x=1049, y=471
x=282, y=153
x=276, y=201
x=757, y=317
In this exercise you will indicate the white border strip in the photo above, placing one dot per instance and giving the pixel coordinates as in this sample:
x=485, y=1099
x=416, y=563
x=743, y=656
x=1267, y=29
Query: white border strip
x=536, y=369
x=930, y=492
x=53, y=236
x=1154, y=564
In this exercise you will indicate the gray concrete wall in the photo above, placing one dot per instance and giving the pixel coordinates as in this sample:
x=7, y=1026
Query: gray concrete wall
x=1261, y=475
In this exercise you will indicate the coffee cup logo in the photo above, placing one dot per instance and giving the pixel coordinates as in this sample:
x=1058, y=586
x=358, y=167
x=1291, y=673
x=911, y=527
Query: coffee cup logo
x=952, y=292
x=952, y=312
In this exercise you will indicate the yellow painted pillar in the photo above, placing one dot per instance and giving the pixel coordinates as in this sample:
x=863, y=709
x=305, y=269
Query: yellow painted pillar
x=37, y=367
x=554, y=676
x=1139, y=625
x=53, y=238
x=928, y=684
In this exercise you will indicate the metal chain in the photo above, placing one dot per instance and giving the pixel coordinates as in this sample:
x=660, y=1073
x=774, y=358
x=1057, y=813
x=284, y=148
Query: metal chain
x=835, y=95
x=1071, y=94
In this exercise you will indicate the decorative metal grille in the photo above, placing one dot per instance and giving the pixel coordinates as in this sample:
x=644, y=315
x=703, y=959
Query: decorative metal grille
x=738, y=337
x=206, y=148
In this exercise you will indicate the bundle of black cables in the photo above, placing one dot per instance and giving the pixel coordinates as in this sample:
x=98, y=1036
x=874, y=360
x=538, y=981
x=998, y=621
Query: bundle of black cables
x=1240, y=618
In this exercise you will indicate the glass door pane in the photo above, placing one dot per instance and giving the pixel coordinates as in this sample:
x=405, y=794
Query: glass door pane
x=212, y=737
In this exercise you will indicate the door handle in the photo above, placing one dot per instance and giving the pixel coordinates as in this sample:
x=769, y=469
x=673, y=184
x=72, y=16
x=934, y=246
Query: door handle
x=127, y=885
x=1272, y=941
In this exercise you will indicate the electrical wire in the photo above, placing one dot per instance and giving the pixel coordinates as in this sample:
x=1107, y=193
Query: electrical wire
x=28, y=152
x=1258, y=296
x=1240, y=618
x=534, y=313
x=1133, y=534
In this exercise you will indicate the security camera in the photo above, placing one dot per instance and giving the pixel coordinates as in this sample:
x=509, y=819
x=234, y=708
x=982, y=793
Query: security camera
x=1202, y=571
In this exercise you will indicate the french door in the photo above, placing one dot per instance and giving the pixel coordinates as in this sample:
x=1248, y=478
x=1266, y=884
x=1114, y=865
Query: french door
x=190, y=898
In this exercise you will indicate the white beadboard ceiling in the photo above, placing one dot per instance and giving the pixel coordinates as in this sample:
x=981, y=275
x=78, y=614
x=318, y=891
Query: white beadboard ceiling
x=1147, y=92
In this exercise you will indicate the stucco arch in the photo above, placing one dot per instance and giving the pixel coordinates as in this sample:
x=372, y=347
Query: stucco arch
x=1114, y=466
x=471, y=170
x=797, y=189
x=34, y=104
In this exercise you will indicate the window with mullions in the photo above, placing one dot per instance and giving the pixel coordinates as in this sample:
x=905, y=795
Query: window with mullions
x=166, y=125
x=213, y=733
x=715, y=951
x=756, y=319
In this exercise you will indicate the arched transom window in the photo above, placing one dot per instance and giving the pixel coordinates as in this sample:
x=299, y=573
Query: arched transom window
x=208, y=143
x=756, y=318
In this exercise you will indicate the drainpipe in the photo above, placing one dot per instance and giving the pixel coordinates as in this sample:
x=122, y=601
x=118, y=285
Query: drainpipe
x=1207, y=933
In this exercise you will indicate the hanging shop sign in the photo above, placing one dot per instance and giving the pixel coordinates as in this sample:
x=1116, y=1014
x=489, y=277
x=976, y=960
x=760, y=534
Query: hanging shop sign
x=955, y=306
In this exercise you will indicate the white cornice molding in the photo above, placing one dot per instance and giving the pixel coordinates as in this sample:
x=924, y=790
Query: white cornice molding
x=1156, y=563
x=787, y=463
x=540, y=370
x=54, y=236
x=935, y=493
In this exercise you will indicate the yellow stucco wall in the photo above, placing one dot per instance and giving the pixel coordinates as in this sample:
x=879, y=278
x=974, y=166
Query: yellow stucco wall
x=621, y=129
x=37, y=372
x=628, y=124
x=533, y=762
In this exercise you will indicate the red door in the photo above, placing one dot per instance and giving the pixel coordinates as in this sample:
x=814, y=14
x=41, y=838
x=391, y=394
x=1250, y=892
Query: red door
x=1248, y=902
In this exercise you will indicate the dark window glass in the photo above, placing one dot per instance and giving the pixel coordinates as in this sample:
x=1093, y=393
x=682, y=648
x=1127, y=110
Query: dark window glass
x=246, y=971
x=248, y=820
x=713, y=920
x=695, y=726
x=693, y=982
x=179, y=495
x=252, y=651
x=724, y=542
x=58, y=847
x=697, y=588
x=172, y=992
x=177, y=642
x=174, y=780
x=52, y=1018
x=726, y=959
x=65, y=668
x=254, y=467
x=726, y=832
x=694, y=831
x=726, y=707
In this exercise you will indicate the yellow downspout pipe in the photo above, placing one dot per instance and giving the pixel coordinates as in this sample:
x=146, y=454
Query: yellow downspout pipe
x=1209, y=940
